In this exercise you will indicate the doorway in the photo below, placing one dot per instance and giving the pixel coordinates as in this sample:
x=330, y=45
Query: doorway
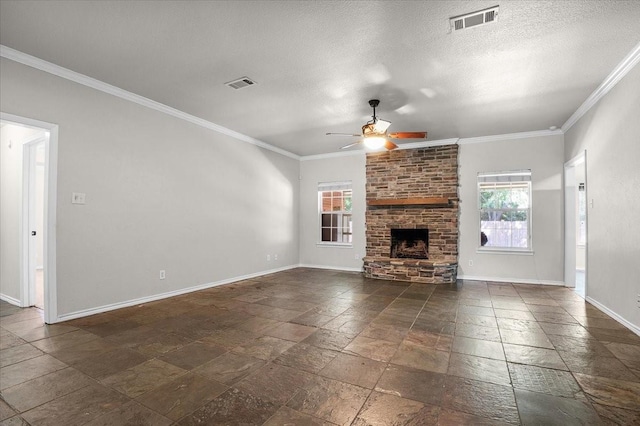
x=28, y=183
x=33, y=188
x=575, y=223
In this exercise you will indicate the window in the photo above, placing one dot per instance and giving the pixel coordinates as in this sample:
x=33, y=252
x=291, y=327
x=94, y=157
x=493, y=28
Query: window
x=336, y=225
x=505, y=210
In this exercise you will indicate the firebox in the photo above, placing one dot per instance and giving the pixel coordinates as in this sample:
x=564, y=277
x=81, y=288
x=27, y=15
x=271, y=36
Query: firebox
x=410, y=243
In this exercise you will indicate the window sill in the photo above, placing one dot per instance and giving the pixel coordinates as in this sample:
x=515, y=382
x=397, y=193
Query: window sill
x=338, y=245
x=508, y=251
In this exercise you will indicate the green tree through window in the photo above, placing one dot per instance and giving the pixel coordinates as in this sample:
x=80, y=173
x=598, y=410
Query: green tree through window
x=505, y=209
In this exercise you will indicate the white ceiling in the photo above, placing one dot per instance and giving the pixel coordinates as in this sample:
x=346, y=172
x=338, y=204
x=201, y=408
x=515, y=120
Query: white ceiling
x=318, y=62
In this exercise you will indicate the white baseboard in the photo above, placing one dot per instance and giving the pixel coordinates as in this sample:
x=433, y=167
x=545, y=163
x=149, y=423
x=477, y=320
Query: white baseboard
x=333, y=268
x=614, y=315
x=511, y=280
x=10, y=299
x=147, y=299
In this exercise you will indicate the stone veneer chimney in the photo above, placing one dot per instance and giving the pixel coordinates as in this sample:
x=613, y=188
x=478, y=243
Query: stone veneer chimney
x=413, y=189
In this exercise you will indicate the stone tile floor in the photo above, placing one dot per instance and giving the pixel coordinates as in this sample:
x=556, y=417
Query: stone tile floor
x=323, y=347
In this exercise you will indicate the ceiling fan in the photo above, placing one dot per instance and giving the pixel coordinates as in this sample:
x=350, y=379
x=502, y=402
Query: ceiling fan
x=374, y=134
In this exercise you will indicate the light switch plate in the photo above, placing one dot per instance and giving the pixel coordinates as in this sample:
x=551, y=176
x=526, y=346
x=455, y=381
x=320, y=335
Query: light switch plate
x=78, y=198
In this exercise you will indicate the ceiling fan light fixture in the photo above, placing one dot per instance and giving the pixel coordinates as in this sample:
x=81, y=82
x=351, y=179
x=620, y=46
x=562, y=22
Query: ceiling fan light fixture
x=374, y=142
x=368, y=130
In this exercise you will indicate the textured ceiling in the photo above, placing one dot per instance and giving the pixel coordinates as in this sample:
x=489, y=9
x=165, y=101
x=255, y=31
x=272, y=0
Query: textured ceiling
x=318, y=62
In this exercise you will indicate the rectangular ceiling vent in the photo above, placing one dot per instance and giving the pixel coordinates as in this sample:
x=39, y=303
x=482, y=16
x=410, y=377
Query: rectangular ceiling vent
x=241, y=83
x=474, y=19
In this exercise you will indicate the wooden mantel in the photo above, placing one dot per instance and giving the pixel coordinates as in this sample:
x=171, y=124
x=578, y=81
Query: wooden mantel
x=428, y=201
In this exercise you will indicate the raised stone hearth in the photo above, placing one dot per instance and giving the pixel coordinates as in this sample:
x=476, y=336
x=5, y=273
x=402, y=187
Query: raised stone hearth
x=413, y=189
x=414, y=270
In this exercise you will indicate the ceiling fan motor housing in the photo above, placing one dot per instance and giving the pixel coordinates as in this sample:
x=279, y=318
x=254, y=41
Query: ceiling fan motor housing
x=371, y=129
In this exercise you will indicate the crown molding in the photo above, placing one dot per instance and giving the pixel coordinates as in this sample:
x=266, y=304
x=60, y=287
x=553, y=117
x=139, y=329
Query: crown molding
x=510, y=136
x=428, y=144
x=412, y=145
x=440, y=142
x=332, y=155
x=48, y=67
x=621, y=70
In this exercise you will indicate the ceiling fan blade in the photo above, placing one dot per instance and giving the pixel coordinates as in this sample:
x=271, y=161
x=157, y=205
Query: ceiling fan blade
x=351, y=144
x=390, y=145
x=408, y=135
x=342, y=134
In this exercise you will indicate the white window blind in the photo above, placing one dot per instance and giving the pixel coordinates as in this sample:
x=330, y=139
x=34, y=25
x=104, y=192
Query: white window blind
x=334, y=186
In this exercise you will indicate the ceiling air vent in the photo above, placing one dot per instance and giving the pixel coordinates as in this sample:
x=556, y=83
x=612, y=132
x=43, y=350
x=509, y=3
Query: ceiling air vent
x=241, y=83
x=474, y=19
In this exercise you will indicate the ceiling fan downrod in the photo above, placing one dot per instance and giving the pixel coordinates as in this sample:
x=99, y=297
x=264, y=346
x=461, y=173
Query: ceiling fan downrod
x=373, y=103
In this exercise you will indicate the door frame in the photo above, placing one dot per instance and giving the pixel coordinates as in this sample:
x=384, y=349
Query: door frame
x=580, y=160
x=50, y=208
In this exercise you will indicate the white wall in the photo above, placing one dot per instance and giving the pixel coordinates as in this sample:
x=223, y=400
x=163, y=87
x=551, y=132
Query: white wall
x=544, y=156
x=334, y=169
x=11, y=207
x=609, y=133
x=161, y=194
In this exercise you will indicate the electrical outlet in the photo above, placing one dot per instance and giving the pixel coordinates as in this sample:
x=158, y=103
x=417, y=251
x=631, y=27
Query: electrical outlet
x=268, y=258
x=357, y=256
x=163, y=274
x=470, y=262
x=275, y=257
x=78, y=198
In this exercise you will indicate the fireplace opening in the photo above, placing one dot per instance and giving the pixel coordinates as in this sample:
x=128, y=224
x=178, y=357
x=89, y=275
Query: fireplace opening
x=410, y=243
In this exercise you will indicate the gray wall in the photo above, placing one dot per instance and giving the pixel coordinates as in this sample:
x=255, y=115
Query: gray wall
x=161, y=194
x=334, y=169
x=544, y=156
x=610, y=133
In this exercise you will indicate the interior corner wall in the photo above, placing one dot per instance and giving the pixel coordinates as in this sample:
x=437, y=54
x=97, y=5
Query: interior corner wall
x=161, y=194
x=544, y=156
x=332, y=169
x=609, y=132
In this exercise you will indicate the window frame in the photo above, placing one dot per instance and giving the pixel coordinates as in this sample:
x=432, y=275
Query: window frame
x=333, y=187
x=521, y=177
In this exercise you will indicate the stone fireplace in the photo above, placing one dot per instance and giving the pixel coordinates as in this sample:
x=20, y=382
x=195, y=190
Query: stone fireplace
x=412, y=215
